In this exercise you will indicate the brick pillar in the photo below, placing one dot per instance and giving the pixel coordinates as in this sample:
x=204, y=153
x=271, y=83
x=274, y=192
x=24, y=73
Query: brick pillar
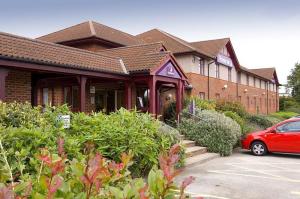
x=82, y=88
x=128, y=95
x=3, y=75
x=152, y=96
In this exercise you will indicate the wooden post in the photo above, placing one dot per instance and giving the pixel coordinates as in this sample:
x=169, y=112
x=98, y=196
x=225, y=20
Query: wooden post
x=82, y=93
x=179, y=97
x=152, y=96
x=3, y=74
x=128, y=95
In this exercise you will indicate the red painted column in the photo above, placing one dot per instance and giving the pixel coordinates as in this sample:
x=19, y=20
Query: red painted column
x=152, y=96
x=82, y=93
x=3, y=74
x=179, y=97
x=128, y=95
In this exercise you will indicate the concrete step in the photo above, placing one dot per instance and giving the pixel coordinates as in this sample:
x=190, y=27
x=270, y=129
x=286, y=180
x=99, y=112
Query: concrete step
x=200, y=159
x=195, y=150
x=181, y=137
x=188, y=143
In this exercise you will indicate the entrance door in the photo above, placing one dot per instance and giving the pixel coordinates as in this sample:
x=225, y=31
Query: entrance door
x=110, y=102
x=105, y=101
x=100, y=101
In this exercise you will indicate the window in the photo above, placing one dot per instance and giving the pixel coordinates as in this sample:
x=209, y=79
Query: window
x=202, y=95
x=71, y=96
x=240, y=99
x=202, y=72
x=239, y=78
x=248, y=80
x=218, y=96
x=248, y=102
x=142, y=98
x=229, y=74
x=217, y=71
x=289, y=127
x=45, y=96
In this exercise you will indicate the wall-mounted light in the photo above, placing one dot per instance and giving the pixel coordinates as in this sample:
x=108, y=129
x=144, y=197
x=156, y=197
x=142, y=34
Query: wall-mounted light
x=169, y=97
x=263, y=93
x=225, y=86
x=246, y=90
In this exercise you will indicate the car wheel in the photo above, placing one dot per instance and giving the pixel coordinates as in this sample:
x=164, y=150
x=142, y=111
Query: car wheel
x=259, y=148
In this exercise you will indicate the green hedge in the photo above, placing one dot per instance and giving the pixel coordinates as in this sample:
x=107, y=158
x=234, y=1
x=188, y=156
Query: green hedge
x=211, y=129
x=25, y=130
x=283, y=115
x=223, y=106
x=263, y=121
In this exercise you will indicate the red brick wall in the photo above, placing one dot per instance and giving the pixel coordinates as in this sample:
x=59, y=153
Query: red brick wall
x=18, y=86
x=257, y=97
x=199, y=83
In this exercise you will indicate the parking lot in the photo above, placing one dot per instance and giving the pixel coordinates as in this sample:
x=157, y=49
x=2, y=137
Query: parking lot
x=244, y=176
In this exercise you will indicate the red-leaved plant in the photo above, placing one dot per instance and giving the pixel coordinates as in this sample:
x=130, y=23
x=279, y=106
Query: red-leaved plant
x=97, y=177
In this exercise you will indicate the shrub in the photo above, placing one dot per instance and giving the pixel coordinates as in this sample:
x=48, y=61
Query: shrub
x=211, y=129
x=288, y=103
x=112, y=135
x=202, y=104
x=95, y=177
x=236, y=118
x=263, y=120
x=282, y=115
x=223, y=105
x=24, y=115
x=122, y=131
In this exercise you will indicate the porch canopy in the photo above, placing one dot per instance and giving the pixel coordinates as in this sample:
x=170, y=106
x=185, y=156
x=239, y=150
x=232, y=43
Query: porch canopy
x=54, y=64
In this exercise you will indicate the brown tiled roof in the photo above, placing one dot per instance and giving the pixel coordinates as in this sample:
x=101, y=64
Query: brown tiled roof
x=90, y=29
x=171, y=42
x=139, y=57
x=267, y=73
x=36, y=51
x=211, y=47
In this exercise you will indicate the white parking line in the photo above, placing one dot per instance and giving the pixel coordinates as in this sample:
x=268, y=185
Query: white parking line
x=257, y=171
x=206, y=195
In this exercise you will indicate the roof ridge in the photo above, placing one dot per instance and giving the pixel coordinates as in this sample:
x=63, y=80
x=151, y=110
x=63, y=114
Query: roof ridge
x=174, y=38
x=63, y=29
x=113, y=29
x=92, y=28
x=131, y=46
x=55, y=45
x=211, y=40
x=262, y=68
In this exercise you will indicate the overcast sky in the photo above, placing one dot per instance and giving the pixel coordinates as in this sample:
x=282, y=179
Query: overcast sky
x=264, y=33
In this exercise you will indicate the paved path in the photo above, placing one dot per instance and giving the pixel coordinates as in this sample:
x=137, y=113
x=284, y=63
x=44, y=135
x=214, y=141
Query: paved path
x=244, y=176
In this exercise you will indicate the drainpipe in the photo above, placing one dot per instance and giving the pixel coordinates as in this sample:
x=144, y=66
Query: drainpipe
x=208, y=85
x=267, y=98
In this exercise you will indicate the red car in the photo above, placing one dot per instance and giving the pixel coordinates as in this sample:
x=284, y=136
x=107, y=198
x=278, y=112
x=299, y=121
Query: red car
x=283, y=137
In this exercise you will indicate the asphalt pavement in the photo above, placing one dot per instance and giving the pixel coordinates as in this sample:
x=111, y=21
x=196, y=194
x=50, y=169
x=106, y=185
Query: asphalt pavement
x=244, y=176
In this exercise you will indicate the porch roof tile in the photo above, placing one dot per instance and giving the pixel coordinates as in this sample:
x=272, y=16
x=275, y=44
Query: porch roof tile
x=36, y=51
x=141, y=57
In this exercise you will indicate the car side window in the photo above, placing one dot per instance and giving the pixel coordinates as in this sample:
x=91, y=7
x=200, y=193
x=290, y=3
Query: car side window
x=289, y=127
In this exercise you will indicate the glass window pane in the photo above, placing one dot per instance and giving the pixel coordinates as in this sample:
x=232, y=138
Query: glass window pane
x=45, y=96
x=75, y=96
x=67, y=96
